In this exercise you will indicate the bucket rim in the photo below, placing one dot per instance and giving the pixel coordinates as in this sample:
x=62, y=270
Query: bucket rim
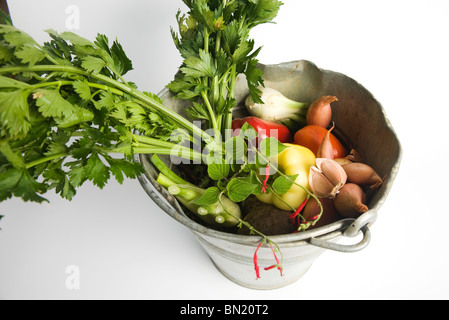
x=347, y=227
x=171, y=206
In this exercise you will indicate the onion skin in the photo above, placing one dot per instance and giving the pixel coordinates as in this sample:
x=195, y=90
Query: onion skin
x=326, y=149
x=350, y=201
x=343, y=161
x=320, y=111
x=363, y=175
x=352, y=157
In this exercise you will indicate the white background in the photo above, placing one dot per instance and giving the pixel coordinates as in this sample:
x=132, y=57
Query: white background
x=127, y=248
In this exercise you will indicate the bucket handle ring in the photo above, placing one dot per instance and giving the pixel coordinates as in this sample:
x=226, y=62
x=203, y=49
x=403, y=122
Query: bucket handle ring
x=342, y=247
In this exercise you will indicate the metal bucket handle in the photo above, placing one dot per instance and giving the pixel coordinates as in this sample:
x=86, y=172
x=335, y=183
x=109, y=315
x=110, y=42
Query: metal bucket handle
x=341, y=247
x=360, y=224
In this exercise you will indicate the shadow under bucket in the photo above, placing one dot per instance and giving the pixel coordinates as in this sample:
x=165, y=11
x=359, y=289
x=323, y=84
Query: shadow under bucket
x=363, y=126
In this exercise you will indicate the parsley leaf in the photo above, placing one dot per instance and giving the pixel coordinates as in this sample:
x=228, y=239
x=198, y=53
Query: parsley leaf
x=121, y=168
x=65, y=108
x=20, y=183
x=97, y=171
x=114, y=56
x=83, y=89
x=14, y=113
x=30, y=54
x=58, y=180
x=93, y=64
x=52, y=104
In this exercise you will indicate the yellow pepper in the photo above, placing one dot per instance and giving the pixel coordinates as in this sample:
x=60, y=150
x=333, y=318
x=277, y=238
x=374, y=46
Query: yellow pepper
x=295, y=160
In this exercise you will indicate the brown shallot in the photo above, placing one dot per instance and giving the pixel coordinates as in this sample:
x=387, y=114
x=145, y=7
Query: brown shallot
x=350, y=201
x=352, y=157
x=320, y=111
x=363, y=175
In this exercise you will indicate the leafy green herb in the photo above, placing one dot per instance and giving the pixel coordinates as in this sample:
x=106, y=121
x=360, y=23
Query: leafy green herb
x=67, y=115
x=213, y=37
x=65, y=110
x=68, y=111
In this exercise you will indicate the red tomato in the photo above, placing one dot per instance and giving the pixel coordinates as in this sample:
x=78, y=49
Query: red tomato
x=311, y=137
x=264, y=128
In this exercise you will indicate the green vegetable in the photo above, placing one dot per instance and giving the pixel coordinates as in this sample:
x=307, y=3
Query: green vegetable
x=210, y=205
x=213, y=39
x=66, y=111
x=276, y=107
x=69, y=116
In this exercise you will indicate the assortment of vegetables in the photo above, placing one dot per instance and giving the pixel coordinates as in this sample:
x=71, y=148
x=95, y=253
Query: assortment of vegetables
x=67, y=112
x=322, y=166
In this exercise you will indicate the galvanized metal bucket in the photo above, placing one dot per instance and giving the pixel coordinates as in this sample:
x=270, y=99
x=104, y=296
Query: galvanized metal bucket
x=363, y=126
